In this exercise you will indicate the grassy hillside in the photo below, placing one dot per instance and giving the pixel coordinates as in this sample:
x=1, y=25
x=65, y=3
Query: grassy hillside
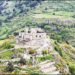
x=67, y=53
x=63, y=53
x=57, y=18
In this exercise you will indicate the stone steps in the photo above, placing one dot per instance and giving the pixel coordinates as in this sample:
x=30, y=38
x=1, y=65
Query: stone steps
x=54, y=73
x=44, y=62
x=48, y=67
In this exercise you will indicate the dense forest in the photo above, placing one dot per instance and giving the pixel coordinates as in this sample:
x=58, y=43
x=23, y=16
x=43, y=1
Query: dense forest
x=57, y=18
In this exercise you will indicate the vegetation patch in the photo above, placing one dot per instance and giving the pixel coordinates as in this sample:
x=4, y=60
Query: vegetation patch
x=32, y=51
x=58, y=48
x=72, y=68
x=40, y=59
x=7, y=54
x=44, y=52
x=6, y=45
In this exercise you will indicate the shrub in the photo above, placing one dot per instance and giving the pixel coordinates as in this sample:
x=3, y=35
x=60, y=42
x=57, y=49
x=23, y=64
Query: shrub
x=22, y=61
x=45, y=8
x=58, y=48
x=10, y=67
x=45, y=58
x=11, y=37
x=16, y=33
x=30, y=62
x=44, y=52
x=31, y=51
x=7, y=45
x=53, y=13
x=72, y=68
x=59, y=65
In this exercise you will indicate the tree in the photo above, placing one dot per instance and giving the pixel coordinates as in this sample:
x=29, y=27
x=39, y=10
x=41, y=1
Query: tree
x=44, y=52
x=0, y=22
x=16, y=33
x=10, y=67
x=11, y=37
x=31, y=51
x=45, y=8
x=22, y=61
x=73, y=16
x=53, y=13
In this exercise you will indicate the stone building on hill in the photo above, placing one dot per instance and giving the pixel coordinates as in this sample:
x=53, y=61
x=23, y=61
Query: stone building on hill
x=32, y=37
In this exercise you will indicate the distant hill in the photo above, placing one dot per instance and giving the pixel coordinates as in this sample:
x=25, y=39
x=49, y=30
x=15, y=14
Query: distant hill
x=57, y=18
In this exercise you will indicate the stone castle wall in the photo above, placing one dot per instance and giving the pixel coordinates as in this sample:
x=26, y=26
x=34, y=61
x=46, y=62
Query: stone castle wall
x=33, y=36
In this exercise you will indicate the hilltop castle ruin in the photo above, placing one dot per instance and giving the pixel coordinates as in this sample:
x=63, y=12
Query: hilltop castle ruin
x=32, y=37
